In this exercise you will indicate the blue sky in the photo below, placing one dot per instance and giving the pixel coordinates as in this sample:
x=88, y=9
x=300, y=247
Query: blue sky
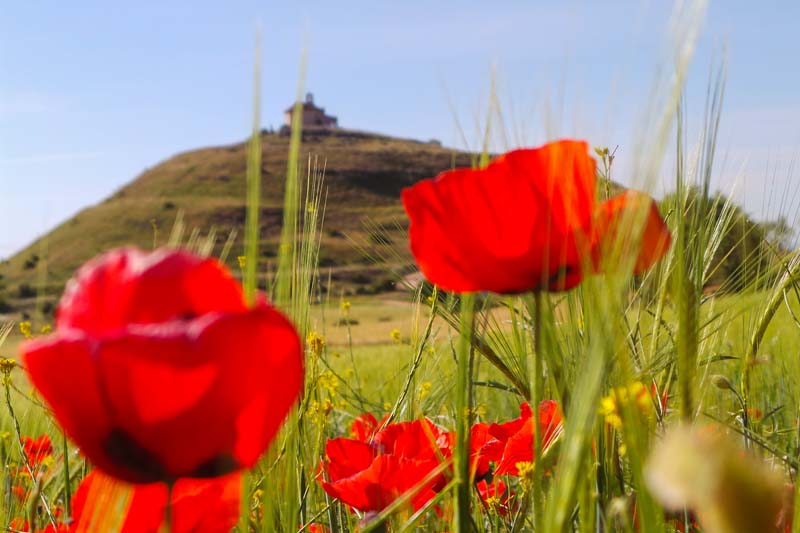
x=91, y=95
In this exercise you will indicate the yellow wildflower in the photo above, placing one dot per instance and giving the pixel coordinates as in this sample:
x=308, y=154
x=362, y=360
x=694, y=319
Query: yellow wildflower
x=242, y=261
x=25, y=329
x=525, y=468
x=611, y=405
x=7, y=365
x=47, y=328
x=608, y=408
x=425, y=389
x=329, y=382
x=345, y=306
x=395, y=334
x=316, y=343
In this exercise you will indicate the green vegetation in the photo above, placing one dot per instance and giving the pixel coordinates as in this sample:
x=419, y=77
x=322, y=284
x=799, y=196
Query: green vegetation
x=632, y=361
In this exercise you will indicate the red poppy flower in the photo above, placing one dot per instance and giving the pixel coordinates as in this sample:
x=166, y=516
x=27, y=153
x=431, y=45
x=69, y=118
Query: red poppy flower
x=58, y=528
x=198, y=506
x=20, y=492
x=612, y=230
x=364, y=427
x=418, y=439
x=37, y=449
x=496, y=495
x=369, y=476
x=159, y=370
x=479, y=437
x=20, y=524
x=525, y=222
x=512, y=441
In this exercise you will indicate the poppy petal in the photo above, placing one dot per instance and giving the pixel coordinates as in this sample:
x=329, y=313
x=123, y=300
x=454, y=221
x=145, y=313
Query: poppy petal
x=347, y=457
x=127, y=286
x=212, y=414
x=198, y=506
x=77, y=403
x=614, y=224
x=363, y=427
x=369, y=489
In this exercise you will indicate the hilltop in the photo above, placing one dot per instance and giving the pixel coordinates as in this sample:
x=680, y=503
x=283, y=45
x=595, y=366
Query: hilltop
x=363, y=172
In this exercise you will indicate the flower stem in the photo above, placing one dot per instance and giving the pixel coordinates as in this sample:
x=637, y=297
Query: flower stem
x=67, y=486
x=463, y=385
x=536, y=397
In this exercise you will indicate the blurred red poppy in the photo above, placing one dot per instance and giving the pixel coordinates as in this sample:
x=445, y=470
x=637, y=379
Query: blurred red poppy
x=613, y=235
x=512, y=441
x=159, y=370
x=369, y=476
x=527, y=221
x=496, y=496
x=20, y=524
x=198, y=506
x=20, y=492
x=37, y=449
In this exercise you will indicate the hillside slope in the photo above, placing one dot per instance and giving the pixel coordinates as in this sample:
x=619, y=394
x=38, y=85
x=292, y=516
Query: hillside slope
x=364, y=174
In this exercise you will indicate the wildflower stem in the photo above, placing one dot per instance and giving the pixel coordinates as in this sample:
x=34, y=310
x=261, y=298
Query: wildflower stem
x=67, y=486
x=536, y=398
x=414, y=365
x=463, y=384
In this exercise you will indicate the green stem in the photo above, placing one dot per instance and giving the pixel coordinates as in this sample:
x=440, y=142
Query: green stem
x=463, y=384
x=536, y=389
x=67, y=485
x=687, y=342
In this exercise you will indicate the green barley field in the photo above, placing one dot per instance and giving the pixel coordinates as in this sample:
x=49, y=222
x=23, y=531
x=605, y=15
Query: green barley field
x=655, y=399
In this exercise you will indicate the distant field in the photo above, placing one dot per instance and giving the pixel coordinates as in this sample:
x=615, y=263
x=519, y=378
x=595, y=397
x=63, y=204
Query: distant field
x=382, y=362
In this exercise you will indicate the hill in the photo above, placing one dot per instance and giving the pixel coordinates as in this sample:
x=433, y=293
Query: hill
x=364, y=174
